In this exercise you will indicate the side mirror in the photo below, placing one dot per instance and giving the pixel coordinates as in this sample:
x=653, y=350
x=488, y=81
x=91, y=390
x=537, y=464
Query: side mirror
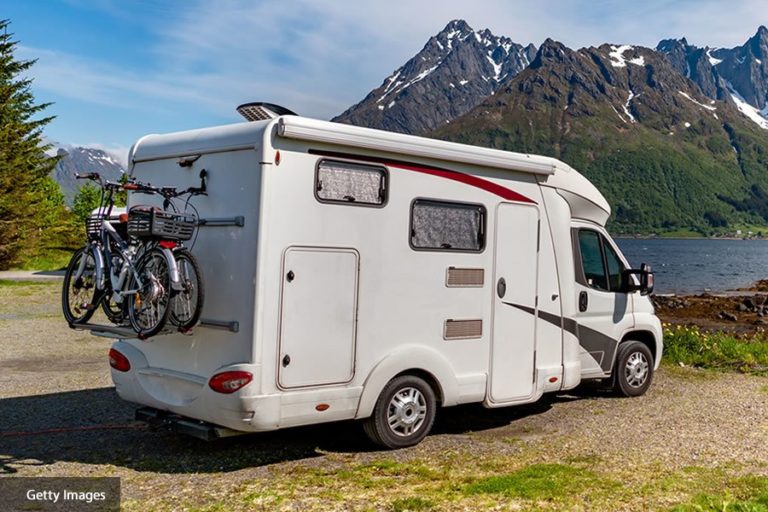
x=644, y=276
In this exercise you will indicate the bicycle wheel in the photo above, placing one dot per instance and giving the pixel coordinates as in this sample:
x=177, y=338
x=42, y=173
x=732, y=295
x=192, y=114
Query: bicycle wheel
x=116, y=312
x=148, y=308
x=187, y=304
x=79, y=296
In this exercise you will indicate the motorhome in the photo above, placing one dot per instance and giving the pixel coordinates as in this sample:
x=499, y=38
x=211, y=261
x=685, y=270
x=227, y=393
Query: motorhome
x=353, y=273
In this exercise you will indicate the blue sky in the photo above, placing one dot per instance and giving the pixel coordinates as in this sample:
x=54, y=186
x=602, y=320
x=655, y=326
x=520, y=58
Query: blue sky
x=117, y=70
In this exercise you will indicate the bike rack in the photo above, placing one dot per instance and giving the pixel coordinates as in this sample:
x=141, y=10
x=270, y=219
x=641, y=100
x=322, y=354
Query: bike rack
x=123, y=332
x=233, y=326
x=238, y=221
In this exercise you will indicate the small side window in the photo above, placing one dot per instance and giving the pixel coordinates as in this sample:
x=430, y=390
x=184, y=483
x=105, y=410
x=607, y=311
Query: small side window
x=350, y=183
x=447, y=226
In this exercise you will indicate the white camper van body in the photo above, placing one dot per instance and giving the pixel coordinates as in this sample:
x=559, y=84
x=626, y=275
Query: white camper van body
x=325, y=301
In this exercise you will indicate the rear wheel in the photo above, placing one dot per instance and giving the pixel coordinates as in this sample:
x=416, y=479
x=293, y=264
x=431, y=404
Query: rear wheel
x=187, y=304
x=116, y=312
x=634, y=369
x=79, y=296
x=148, y=308
x=404, y=413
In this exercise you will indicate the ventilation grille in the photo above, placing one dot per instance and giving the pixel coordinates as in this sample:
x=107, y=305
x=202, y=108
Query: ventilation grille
x=464, y=277
x=463, y=329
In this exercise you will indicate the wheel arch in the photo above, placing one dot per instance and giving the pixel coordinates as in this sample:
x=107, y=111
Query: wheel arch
x=645, y=337
x=420, y=361
x=427, y=377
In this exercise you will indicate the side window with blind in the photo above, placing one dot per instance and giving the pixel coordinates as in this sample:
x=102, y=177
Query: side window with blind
x=350, y=183
x=601, y=265
x=447, y=226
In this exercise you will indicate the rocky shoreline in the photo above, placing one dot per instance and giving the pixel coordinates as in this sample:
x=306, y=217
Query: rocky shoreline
x=737, y=311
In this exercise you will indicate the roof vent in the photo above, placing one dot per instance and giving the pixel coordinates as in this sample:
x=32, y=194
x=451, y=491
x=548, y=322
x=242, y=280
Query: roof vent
x=258, y=111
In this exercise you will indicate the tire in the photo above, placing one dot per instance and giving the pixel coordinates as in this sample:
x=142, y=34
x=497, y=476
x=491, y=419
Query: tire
x=404, y=413
x=148, y=308
x=79, y=297
x=633, y=373
x=117, y=313
x=187, y=304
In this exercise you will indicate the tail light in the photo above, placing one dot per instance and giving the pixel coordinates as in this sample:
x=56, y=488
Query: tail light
x=118, y=361
x=229, y=382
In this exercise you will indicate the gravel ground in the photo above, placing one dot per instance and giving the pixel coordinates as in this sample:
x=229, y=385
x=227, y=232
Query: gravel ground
x=59, y=416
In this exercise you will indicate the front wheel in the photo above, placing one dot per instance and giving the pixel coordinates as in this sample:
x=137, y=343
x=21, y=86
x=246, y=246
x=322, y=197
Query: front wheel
x=148, y=308
x=404, y=413
x=187, y=303
x=634, y=369
x=79, y=295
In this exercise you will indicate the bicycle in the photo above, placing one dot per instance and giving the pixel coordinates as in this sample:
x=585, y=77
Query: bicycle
x=150, y=273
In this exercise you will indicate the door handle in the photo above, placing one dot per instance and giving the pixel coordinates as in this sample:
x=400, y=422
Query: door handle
x=583, y=301
x=501, y=288
x=290, y=276
x=286, y=360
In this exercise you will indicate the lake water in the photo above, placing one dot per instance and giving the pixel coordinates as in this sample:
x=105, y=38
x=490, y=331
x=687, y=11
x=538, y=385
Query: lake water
x=695, y=266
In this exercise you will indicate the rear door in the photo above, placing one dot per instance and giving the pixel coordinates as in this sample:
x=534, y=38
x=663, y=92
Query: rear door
x=515, y=304
x=604, y=311
x=318, y=316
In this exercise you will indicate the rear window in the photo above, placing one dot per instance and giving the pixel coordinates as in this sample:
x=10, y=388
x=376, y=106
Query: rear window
x=350, y=183
x=447, y=226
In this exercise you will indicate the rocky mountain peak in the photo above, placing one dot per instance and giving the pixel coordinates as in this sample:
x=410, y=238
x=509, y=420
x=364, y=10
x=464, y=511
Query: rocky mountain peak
x=455, y=70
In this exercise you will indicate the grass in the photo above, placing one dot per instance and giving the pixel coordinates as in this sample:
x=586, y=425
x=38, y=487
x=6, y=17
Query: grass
x=50, y=259
x=412, y=504
x=540, y=482
x=741, y=494
x=22, y=284
x=718, y=351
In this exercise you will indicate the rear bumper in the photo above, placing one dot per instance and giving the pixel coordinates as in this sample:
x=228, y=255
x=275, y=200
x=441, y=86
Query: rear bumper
x=189, y=396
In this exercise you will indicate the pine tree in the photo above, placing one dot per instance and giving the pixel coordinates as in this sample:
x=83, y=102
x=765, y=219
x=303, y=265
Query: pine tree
x=25, y=188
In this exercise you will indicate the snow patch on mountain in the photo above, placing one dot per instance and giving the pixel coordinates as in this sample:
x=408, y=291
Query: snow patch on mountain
x=713, y=60
x=754, y=114
x=618, y=60
x=688, y=97
x=626, y=107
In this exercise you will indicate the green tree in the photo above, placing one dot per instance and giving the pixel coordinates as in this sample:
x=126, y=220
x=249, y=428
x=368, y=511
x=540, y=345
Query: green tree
x=86, y=200
x=25, y=188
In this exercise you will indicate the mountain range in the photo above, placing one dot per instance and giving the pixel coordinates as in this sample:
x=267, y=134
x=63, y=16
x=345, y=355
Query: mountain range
x=78, y=159
x=675, y=137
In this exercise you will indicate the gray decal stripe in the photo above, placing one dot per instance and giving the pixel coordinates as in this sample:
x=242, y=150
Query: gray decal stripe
x=590, y=339
x=568, y=324
x=595, y=341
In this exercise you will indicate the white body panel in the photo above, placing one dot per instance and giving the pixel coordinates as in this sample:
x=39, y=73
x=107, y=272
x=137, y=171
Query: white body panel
x=363, y=305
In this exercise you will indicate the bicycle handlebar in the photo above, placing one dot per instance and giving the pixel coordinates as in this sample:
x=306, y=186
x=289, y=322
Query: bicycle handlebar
x=88, y=176
x=144, y=188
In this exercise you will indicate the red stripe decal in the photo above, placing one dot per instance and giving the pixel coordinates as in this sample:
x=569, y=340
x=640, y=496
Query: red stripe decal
x=467, y=179
x=470, y=180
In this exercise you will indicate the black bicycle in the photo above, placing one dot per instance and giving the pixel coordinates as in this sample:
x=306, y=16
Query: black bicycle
x=135, y=265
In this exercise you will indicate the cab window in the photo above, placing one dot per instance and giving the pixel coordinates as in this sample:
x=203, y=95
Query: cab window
x=601, y=264
x=592, y=259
